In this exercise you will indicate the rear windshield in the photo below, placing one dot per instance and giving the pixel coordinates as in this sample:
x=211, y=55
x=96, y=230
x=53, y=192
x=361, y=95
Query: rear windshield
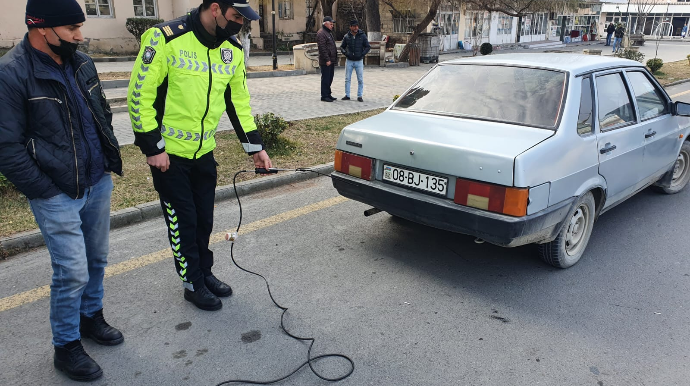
x=518, y=95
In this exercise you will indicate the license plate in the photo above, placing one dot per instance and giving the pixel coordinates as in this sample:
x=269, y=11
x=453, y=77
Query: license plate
x=415, y=180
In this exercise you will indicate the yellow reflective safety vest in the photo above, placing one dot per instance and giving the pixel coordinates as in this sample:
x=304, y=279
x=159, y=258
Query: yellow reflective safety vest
x=181, y=83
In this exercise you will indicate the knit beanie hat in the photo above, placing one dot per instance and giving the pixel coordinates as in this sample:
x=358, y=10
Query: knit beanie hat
x=53, y=13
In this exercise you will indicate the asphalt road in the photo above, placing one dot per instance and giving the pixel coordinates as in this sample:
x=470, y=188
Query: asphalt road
x=409, y=304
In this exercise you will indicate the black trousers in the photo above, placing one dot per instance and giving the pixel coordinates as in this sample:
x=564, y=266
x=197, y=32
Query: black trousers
x=327, y=74
x=187, y=191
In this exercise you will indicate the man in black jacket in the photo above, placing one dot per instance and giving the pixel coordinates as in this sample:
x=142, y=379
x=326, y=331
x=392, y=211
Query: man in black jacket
x=58, y=149
x=355, y=46
x=609, y=32
x=618, y=36
x=328, y=55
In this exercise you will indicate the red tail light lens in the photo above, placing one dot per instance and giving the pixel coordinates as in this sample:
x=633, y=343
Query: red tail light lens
x=354, y=165
x=494, y=198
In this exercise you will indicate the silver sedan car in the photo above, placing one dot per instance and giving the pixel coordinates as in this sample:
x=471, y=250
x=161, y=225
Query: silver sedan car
x=519, y=149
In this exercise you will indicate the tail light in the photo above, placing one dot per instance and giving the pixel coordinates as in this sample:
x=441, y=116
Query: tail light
x=354, y=165
x=494, y=198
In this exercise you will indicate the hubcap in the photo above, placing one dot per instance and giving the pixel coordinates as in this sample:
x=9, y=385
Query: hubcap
x=577, y=227
x=681, y=168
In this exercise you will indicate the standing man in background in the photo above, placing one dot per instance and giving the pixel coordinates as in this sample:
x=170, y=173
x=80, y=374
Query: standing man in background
x=58, y=149
x=618, y=36
x=609, y=32
x=328, y=56
x=355, y=46
x=189, y=71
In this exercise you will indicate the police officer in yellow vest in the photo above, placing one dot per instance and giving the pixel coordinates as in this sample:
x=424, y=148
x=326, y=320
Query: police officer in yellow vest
x=189, y=71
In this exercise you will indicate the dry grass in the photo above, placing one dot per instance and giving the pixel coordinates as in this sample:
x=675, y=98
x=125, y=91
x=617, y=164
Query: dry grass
x=673, y=72
x=312, y=142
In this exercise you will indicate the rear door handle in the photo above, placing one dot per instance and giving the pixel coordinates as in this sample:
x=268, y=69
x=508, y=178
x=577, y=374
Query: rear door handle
x=607, y=148
x=650, y=134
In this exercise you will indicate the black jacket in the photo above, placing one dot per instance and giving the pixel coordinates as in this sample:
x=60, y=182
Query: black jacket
x=611, y=29
x=620, y=32
x=40, y=140
x=355, y=47
x=327, y=49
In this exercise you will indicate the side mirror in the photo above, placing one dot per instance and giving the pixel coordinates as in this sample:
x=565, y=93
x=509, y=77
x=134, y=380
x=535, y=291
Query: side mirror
x=680, y=108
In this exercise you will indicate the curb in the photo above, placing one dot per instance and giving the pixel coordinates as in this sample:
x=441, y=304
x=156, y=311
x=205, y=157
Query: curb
x=117, y=83
x=21, y=242
x=677, y=83
x=114, y=59
x=275, y=74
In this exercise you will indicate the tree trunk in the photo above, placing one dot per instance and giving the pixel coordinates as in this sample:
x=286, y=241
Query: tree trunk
x=519, y=29
x=327, y=7
x=373, y=20
x=433, y=9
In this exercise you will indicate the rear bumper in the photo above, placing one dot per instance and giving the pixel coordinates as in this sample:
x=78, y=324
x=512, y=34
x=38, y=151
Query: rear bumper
x=439, y=213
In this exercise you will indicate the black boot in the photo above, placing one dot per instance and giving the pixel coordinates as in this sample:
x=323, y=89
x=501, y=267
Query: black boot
x=72, y=360
x=203, y=299
x=216, y=286
x=98, y=330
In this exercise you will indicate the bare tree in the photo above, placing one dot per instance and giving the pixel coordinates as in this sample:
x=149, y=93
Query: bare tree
x=373, y=20
x=522, y=8
x=644, y=7
x=421, y=27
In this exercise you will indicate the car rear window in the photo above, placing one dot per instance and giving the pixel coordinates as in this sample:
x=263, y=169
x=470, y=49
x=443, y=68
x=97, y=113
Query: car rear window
x=518, y=95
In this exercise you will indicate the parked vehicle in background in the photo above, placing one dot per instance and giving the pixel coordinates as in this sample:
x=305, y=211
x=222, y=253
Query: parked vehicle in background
x=519, y=149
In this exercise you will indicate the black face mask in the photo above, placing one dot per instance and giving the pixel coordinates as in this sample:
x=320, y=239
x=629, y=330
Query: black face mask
x=231, y=29
x=65, y=50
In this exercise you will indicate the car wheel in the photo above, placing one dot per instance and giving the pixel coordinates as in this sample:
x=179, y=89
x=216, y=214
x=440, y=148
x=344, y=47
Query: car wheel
x=568, y=247
x=681, y=172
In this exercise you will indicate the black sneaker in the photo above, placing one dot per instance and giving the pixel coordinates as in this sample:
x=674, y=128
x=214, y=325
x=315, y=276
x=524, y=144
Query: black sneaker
x=326, y=100
x=98, y=330
x=72, y=360
x=346, y=98
x=203, y=299
x=359, y=99
x=217, y=287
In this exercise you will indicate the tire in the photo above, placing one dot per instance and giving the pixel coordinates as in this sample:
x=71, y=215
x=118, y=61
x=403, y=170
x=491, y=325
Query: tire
x=569, y=246
x=681, y=172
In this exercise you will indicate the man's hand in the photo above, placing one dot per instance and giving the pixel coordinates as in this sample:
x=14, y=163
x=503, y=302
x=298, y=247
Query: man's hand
x=261, y=160
x=328, y=63
x=160, y=161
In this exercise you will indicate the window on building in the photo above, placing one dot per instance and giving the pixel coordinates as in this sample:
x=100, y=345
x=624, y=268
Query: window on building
x=99, y=8
x=285, y=10
x=534, y=24
x=505, y=25
x=404, y=22
x=145, y=8
x=477, y=24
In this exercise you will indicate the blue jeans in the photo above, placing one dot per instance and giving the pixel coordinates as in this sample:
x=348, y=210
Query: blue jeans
x=76, y=233
x=358, y=66
x=616, y=43
x=608, y=39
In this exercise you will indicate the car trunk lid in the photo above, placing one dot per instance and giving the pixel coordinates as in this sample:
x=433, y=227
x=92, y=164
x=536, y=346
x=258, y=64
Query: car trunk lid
x=467, y=148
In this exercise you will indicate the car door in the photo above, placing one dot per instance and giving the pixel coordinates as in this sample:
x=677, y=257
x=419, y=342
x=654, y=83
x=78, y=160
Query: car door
x=620, y=138
x=660, y=129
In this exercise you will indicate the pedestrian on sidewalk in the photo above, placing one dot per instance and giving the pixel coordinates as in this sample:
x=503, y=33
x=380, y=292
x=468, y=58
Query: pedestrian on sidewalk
x=684, y=32
x=58, y=149
x=355, y=46
x=620, y=32
x=328, y=56
x=609, y=32
x=189, y=71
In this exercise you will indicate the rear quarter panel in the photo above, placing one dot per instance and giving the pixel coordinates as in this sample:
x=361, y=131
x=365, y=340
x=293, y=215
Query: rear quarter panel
x=568, y=161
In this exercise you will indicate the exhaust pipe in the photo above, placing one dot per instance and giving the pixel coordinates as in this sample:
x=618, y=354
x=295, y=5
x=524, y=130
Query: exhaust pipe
x=371, y=212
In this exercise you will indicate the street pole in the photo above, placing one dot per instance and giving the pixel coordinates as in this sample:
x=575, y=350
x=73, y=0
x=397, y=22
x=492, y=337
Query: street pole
x=668, y=4
x=275, y=44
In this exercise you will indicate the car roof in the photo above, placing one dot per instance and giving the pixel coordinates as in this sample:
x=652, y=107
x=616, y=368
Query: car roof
x=573, y=63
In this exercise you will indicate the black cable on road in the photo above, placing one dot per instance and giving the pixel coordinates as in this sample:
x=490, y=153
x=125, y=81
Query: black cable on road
x=310, y=360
